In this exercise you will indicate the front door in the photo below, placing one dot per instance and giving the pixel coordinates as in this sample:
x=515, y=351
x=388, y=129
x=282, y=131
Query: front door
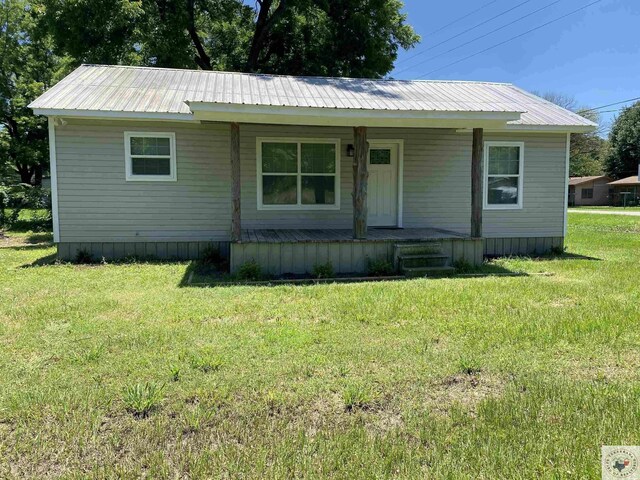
x=382, y=191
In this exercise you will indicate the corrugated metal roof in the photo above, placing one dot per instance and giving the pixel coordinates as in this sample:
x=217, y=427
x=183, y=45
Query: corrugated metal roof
x=580, y=180
x=107, y=88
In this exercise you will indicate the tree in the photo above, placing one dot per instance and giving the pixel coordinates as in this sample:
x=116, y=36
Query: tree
x=587, y=149
x=27, y=68
x=353, y=38
x=623, y=156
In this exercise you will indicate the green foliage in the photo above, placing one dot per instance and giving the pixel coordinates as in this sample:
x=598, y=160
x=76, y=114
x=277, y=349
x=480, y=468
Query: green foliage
x=323, y=270
x=469, y=365
x=28, y=66
x=174, y=371
x=357, y=396
x=142, y=398
x=206, y=361
x=380, y=267
x=297, y=37
x=623, y=156
x=250, y=271
x=83, y=256
x=462, y=266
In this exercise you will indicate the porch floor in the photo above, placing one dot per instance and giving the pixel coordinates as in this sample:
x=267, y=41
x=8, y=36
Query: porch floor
x=346, y=235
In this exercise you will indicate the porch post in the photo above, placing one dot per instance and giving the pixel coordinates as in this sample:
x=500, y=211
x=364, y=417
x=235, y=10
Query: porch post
x=360, y=178
x=235, y=183
x=476, y=183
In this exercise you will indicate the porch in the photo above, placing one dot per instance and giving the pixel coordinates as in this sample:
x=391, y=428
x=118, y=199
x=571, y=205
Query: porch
x=418, y=251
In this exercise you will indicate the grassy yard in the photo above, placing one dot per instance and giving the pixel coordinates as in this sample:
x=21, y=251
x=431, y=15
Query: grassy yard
x=607, y=208
x=121, y=371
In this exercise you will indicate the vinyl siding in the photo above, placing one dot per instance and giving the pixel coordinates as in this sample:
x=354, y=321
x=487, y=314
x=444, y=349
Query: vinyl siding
x=97, y=204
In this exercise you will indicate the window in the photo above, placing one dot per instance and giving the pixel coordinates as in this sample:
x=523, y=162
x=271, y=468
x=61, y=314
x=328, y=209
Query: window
x=587, y=193
x=503, y=165
x=298, y=174
x=150, y=156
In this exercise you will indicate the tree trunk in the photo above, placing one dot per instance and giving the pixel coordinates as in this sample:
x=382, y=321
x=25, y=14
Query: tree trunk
x=236, y=229
x=360, y=179
x=476, y=183
x=25, y=172
x=264, y=23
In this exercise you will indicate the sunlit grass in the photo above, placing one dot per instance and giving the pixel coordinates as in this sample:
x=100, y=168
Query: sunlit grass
x=495, y=377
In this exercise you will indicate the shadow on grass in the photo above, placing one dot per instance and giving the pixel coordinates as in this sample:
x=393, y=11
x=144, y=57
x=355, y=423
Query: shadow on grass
x=204, y=276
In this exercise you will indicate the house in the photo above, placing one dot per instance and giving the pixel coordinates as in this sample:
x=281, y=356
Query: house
x=592, y=190
x=626, y=191
x=295, y=171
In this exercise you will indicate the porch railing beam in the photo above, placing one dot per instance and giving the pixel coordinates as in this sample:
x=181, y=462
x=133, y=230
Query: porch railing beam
x=236, y=228
x=476, y=183
x=360, y=179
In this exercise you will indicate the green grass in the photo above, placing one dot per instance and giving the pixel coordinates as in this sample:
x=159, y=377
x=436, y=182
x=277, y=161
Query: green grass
x=612, y=209
x=493, y=377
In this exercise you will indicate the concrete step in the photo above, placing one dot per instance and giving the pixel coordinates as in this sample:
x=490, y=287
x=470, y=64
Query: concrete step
x=423, y=248
x=423, y=260
x=428, y=271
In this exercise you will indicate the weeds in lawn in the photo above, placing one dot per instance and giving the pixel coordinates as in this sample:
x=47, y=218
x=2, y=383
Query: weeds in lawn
x=206, y=362
x=142, y=398
x=174, y=372
x=469, y=365
x=197, y=418
x=357, y=396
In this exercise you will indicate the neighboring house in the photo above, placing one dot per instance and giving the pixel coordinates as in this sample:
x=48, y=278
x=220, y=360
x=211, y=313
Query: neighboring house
x=163, y=162
x=589, y=190
x=626, y=192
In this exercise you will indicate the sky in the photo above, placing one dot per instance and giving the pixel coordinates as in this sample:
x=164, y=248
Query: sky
x=592, y=55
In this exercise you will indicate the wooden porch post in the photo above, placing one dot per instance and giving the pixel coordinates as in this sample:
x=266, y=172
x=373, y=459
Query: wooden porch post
x=476, y=183
x=236, y=228
x=360, y=178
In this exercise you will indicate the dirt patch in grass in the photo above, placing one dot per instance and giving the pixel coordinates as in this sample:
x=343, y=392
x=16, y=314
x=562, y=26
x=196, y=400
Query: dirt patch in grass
x=465, y=390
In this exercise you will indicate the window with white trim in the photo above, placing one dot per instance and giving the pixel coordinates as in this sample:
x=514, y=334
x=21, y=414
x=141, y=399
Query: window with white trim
x=298, y=174
x=150, y=156
x=503, y=180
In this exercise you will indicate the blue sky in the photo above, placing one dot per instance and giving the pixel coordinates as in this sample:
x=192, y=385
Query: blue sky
x=593, y=55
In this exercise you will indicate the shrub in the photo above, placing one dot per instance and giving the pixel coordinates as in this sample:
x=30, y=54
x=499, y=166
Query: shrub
x=212, y=257
x=83, y=256
x=557, y=250
x=380, y=267
x=323, y=270
x=357, y=396
x=462, y=266
x=250, y=271
x=141, y=399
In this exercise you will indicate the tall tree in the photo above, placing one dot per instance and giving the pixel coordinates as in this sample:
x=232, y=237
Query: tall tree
x=27, y=68
x=304, y=37
x=587, y=149
x=623, y=156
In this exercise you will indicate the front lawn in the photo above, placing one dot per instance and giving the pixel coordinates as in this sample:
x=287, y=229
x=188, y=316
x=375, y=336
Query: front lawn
x=124, y=371
x=607, y=208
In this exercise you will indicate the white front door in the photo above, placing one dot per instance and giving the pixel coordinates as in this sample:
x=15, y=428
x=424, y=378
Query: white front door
x=382, y=191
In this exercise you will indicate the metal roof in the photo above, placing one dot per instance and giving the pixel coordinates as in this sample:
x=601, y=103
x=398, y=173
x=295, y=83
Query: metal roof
x=581, y=180
x=106, y=88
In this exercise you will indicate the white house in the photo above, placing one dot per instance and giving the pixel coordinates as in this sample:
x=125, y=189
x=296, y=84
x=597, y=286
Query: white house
x=294, y=171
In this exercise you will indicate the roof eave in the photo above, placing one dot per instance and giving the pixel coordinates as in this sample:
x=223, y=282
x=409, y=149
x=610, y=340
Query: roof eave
x=286, y=115
x=114, y=115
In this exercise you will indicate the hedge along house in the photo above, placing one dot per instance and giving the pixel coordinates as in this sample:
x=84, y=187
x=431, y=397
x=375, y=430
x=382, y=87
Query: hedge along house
x=295, y=171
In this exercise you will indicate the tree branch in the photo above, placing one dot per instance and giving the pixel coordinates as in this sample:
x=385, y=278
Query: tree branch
x=264, y=23
x=202, y=59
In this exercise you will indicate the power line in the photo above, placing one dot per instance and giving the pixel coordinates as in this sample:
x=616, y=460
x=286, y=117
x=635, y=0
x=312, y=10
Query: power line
x=477, y=38
x=461, y=18
x=463, y=32
x=612, y=104
x=510, y=39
